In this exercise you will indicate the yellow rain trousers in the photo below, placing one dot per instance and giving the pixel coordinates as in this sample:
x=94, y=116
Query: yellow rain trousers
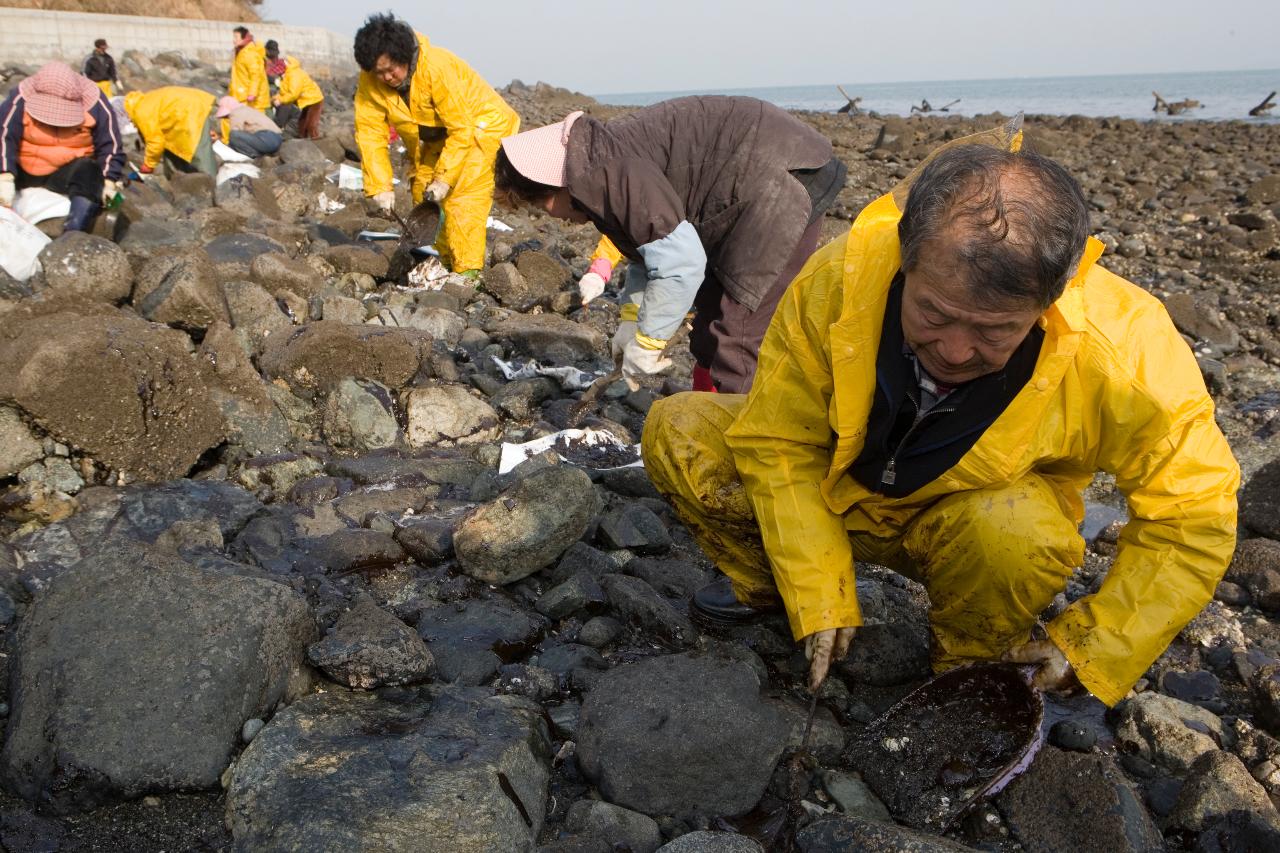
x=249, y=77
x=761, y=481
x=297, y=87
x=465, y=120
x=170, y=118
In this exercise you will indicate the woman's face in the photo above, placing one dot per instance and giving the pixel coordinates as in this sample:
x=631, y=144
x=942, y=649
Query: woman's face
x=560, y=205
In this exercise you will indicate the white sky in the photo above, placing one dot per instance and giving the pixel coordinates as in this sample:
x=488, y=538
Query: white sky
x=616, y=46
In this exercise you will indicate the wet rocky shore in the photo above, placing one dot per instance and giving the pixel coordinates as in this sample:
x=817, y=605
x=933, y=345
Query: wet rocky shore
x=263, y=587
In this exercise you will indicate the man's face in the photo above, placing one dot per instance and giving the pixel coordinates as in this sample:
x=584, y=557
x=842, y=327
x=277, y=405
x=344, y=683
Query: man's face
x=101, y=48
x=956, y=337
x=390, y=72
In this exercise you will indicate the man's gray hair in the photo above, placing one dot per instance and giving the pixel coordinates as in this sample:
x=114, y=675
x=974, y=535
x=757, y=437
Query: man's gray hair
x=1021, y=218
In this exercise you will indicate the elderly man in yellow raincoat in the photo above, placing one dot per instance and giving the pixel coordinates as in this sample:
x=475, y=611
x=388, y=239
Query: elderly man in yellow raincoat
x=451, y=122
x=935, y=391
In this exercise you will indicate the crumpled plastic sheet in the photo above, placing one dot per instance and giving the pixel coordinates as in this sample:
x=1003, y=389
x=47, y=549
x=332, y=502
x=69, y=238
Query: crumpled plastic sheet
x=513, y=454
x=570, y=378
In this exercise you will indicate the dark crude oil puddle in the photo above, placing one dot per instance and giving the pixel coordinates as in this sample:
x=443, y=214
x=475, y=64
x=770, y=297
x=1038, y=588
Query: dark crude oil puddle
x=579, y=452
x=957, y=738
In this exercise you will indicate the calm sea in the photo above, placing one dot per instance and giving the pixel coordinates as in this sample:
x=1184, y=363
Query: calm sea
x=1224, y=94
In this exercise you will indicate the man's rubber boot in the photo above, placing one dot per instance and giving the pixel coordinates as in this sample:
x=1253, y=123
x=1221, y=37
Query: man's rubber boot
x=81, y=216
x=717, y=604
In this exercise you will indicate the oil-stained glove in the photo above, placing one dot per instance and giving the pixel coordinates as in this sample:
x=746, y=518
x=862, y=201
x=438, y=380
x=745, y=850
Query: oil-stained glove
x=8, y=189
x=1055, y=674
x=436, y=191
x=822, y=648
x=642, y=356
x=385, y=200
x=593, y=283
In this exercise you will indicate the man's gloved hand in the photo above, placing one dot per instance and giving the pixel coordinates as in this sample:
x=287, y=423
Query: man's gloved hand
x=436, y=191
x=109, y=190
x=1055, y=674
x=8, y=189
x=821, y=648
x=385, y=200
x=590, y=286
x=642, y=356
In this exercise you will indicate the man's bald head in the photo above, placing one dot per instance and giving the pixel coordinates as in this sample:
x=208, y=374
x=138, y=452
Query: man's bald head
x=1011, y=226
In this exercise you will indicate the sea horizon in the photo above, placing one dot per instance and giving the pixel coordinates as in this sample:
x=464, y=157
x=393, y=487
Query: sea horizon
x=1224, y=95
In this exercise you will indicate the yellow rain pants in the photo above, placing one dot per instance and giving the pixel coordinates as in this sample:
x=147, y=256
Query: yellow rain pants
x=1114, y=389
x=991, y=559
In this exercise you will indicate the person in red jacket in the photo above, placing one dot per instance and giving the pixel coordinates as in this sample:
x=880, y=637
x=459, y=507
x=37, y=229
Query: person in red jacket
x=58, y=131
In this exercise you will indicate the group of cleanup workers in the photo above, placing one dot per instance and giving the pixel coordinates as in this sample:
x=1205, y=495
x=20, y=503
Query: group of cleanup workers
x=930, y=391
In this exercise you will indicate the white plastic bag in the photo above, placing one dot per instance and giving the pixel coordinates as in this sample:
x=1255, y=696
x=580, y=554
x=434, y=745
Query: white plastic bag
x=227, y=154
x=36, y=204
x=227, y=171
x=20, y=245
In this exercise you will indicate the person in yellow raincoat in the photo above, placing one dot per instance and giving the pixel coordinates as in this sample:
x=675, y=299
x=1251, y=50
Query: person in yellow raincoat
x=298, y=96
x=174, y=122
x=935, y=391
x=248, y=71
x=451, y=122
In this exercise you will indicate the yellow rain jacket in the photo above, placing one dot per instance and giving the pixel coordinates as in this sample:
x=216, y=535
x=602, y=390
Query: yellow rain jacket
x=446, y=93
x=296, y=86
x=1114, y=389
x=249, y=77
x=171, y=119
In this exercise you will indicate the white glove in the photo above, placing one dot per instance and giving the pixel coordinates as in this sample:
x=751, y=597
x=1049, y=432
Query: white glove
x=7, y=189
x=639, y=359
x=590, y=286
x=436, y=191
x=109, y=190
x=626, y=334
x=385, y=200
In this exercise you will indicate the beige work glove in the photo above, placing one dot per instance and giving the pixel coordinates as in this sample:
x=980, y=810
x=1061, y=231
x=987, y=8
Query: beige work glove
x=590, y=286
x=821, y=648
x=642, y=356
x=8, y=190
x=109, y=190
x=436, y=191
x=1055, y=674
x=385, y=200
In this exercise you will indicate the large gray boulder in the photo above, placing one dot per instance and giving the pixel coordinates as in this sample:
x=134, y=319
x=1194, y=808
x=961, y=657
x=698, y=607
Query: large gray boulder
x=371, y=648
x=526, y=527
x=82, y=265
x=447, y=415
x=135, y=672
x=318, y=356
x=1168, y=731
x=143, y=408
x=681, y=735
x=1218, y=784
x=359, y=416
x=1106, y=811
x=180, y=290
x=409, y=770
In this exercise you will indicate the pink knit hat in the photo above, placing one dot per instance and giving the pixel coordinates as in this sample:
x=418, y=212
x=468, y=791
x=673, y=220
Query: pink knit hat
x=540, y=154
x=226, y=105
x=58, y=96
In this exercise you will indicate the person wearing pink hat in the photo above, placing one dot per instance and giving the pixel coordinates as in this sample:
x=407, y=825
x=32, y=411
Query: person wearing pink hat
x=58, y=131
x=716, y=201
x=246, y=130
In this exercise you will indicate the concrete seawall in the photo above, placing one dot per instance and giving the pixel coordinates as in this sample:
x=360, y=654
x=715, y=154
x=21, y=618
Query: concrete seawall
x=32, y=36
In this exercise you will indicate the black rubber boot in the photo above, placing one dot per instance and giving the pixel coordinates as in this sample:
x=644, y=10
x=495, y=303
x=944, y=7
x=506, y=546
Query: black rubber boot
x=83, y=210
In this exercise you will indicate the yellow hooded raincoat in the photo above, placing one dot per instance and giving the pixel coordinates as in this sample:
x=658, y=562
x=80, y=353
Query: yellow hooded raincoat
x=466, y=120
x=1115, y=389
x=297, y=87
x=171, y=118
x=249, y=77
